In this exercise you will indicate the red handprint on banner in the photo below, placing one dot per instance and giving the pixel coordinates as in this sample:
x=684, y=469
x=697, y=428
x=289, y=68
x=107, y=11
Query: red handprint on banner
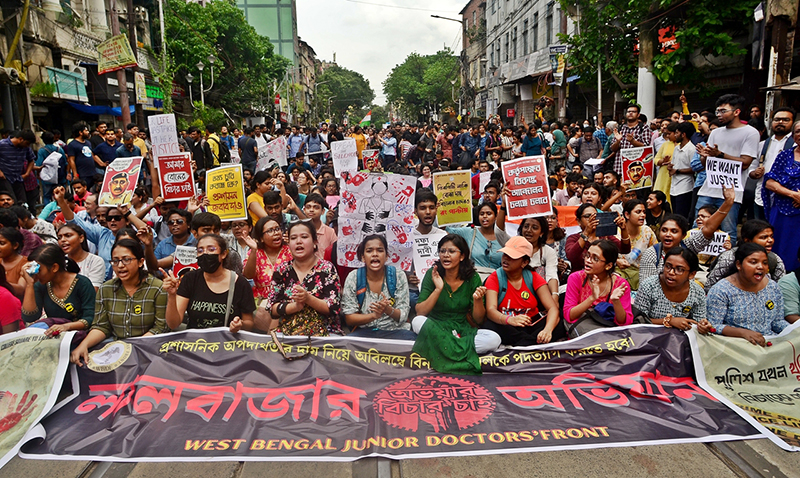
x=350, y=255
x=399, y=233
x=355, y=179
x=349, y=201
x=11, y=416
x=404, y=196
x=406, y=264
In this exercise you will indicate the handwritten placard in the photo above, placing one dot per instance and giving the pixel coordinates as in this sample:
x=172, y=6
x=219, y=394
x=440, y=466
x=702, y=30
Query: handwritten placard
x=454, y=190
x=724, y=172
x=528, y=187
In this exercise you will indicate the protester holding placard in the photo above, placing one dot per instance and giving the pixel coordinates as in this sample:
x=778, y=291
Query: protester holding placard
x=426, y=238
x=747, y=304
x=450, y=308
x=756, y=231
x=375, y=297
x=266, y=252
x=577, y=245
x=718, y=245
x=180, y=224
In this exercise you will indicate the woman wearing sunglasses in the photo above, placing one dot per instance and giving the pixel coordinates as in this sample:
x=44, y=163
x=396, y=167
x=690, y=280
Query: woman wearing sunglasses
x=266, y=252
x=305, y=297
x=212, y=295
x=133, y=304
x=449, y=310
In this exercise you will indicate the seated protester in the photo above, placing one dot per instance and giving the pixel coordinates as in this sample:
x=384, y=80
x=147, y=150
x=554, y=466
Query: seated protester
x=236, y=235
x=314, y=208
x=577, y=200
x=657, y=209
x=41, y=228
x=266, y=252
x=598, y=289
x=449, y=309
x=133, y=289
x=11, y=319
x=642, y=238
x=59, y=291
x=790, y=289
x=747, y=304
x=511, y=299
x=375, y=297
x=426, y=205
x=673, y=298
x=211, y=296
x=484, y=238
x=756, y=231
x=162, y=256
x=577, y=245
x=30, y=241
x=11, y=259
x=597, y=195
x=673, y=233
x=543, y=260
x=260, y=185
x=557, y=240
x=706, y=260
x=562, y=197
x=57, y=216
x=491, y=193
x=72, y=240
x=273, y=206
x=305, y=298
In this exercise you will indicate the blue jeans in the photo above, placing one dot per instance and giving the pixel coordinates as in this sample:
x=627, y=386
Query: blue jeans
x=729, y=223
x=383, y=334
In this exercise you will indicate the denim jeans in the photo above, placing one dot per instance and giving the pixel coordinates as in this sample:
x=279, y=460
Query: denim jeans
x=729, y=223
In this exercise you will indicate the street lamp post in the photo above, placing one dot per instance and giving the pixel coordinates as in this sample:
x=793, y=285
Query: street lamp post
x=200, y=67
x=316, y=101
x=329, y=104
x=190, y=79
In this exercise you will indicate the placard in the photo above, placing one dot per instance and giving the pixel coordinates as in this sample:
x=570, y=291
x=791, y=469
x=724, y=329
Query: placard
x=115, y=54
x=724, y=172
x=716, y=246
x=119, y=181
x=454, y=191
x=175, y=177
x=376, y=203
x=528, y=187
x=163, y=136
x=272, y=152
x=485, y=177
x=426, y=252
x=141, y=88
x=637, y=167
x=235, y=158
x=368, y=156
x=345, y=156
x=184, y=260
x=225, y=189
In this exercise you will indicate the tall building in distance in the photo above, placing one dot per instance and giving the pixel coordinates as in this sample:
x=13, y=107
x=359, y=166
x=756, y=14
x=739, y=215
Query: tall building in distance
x=276, y=19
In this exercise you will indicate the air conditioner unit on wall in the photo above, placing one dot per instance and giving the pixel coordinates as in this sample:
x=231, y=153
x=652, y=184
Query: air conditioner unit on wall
x=82, y=71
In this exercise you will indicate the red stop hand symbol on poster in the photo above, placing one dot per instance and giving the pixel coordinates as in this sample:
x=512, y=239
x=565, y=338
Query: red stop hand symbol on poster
x=11, y=416
x=401, y=235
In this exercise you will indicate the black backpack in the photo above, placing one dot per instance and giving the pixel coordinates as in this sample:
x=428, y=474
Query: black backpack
x=224, y=152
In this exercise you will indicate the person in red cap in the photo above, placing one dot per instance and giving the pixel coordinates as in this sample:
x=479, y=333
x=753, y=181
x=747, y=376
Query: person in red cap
x=511, y=299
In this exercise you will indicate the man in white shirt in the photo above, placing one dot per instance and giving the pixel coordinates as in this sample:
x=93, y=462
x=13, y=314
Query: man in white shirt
x=680, y=168
x=734, y=141
x=782, y=120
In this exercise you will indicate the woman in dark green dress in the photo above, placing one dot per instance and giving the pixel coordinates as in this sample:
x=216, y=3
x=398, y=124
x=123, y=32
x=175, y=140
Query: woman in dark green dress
x=449, y=310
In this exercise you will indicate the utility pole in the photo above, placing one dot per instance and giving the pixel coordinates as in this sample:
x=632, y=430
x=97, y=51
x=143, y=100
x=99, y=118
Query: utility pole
x=561, y=90
x=124, y=103
x=135, y=48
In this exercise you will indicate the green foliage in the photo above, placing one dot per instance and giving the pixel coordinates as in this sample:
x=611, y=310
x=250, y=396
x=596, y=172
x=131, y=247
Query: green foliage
x=204, y=114
x=45, y=89
x=609, y=33
x=421, y=83
x=351, y=89
x=477, y=33
x=246, y=64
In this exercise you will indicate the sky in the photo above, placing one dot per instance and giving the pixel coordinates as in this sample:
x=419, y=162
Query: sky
x=371, y=37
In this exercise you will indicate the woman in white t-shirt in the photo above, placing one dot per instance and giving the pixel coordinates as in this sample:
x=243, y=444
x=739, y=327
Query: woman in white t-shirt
x=72, y=240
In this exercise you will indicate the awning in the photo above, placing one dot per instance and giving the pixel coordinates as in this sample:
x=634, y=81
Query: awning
x=68, y=85
x=100, y=110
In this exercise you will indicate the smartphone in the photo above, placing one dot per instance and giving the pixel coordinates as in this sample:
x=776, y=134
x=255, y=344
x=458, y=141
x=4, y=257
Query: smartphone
x=687, y=117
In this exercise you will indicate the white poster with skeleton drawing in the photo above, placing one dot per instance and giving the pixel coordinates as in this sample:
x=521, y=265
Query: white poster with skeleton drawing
x=376, y=203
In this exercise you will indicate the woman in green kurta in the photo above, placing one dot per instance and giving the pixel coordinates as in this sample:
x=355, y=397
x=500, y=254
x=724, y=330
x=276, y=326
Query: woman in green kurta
x=451, y=296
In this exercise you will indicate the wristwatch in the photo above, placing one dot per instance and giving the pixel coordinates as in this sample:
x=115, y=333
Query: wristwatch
x=584, y=237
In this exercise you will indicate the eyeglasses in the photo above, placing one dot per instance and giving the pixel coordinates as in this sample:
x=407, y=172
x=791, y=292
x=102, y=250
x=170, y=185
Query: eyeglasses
x=590, y=258
x=678, y=270
x=208, y=250
x=173, y=222
x=113, y=218
x=721, y=111
x=239, y=225
x=274, y=230
x=283, y=352
x=448, y=252
x=123, y=260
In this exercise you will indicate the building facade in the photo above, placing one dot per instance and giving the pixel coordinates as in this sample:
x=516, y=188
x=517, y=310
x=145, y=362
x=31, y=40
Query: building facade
x=473, y=94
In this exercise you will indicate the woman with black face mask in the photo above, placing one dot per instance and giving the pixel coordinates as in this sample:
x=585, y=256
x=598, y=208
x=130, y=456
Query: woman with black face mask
x=206, y=292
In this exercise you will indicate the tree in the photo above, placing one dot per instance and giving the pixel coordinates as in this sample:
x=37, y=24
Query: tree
x=347, y=90
x=610, y=34
x=246, y=63
x=421, y=85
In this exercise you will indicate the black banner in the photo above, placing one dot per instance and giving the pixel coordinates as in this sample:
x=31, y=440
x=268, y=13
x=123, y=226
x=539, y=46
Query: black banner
x=212, y=395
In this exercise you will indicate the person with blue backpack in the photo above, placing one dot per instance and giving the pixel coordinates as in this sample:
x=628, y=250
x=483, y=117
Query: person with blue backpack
x=375, y=297
x=511, y=300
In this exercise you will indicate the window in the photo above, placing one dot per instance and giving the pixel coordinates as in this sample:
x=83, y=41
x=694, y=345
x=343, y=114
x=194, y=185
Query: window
x=491, y=57
x=548, y=24
x=535, y=33
x=474, y=18
x=491, y=5
x=514, y=44
x=497, y=50
x=508, y=44
x=525, y=37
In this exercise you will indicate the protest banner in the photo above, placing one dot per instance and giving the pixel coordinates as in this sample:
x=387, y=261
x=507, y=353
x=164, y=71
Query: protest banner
x=454, y=191
x=175, y=177
x=32, y=370
x=368, y=158
x=558, y=62
x=210, y=395
x=184, y=260
x=141, y=88
x=426, y=252
x=235, y=158
x=485, y=177
x=119, y=181
x=225, y=190
x=758, y=383
x=163, y=136
x=724, y=172
x=272, y=152
x=376, y=203
x=637, y=167
x=115, y=54
x=345, y=156
x=529, y=190
x=716, y=246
